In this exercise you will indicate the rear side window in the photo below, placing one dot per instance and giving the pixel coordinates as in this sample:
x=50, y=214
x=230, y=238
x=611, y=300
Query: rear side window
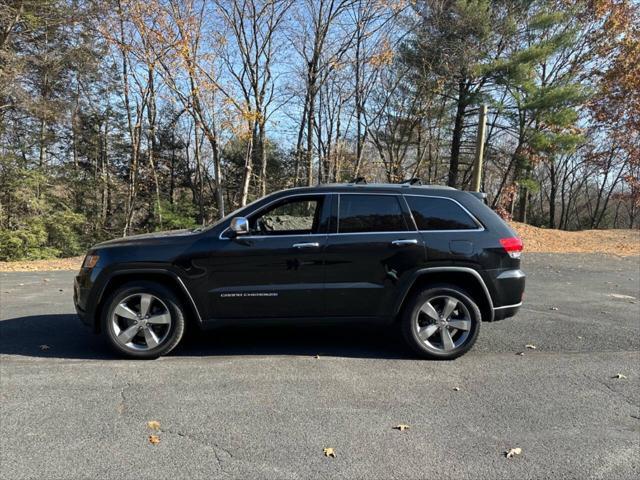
x=370, y=213
x=439, y=214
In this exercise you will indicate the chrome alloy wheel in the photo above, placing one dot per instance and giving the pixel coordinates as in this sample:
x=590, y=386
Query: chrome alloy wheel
x=443, y=323
x=141, y=322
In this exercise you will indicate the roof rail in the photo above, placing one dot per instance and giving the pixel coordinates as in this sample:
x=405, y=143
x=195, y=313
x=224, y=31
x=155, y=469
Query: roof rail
x=359, y=181
x=480, y=196
x=411, y=181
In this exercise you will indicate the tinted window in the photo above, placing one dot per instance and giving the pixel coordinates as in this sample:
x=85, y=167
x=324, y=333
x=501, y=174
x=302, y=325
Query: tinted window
x=298, y=216
x=439, y=214
x=370, y=213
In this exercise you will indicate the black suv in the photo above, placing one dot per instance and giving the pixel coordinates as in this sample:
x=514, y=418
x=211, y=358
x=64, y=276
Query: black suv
x=435, y=260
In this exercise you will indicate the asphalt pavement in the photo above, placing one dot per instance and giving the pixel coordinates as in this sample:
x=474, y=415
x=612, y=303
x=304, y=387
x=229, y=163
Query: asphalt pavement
x=263, y=403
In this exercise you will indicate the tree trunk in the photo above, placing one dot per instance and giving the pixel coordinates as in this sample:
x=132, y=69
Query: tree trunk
x=262, y=154
x=553, y=192
x=456, y=139
x=246, y=178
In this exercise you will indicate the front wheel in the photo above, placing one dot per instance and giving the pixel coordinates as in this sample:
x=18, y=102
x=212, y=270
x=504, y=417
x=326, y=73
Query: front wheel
x=441, y=322
x=143, y=320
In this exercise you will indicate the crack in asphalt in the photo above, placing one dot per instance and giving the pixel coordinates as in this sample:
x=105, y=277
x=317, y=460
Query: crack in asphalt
x=121, y=407
x=618, y=394
x=215, y=448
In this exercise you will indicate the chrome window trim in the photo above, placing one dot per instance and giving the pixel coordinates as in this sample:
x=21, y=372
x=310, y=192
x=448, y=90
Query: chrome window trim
x=471, y=215
x=311, y=194
x=338, y=194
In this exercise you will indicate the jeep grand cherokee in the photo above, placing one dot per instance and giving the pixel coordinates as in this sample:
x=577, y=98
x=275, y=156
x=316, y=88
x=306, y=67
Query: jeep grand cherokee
x=434, y=260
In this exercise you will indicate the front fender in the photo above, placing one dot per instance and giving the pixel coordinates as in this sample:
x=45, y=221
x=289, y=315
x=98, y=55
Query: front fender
x=109, y=279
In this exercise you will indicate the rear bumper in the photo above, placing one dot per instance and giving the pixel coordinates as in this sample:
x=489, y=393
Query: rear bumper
x=507, y=289
x=500, y=313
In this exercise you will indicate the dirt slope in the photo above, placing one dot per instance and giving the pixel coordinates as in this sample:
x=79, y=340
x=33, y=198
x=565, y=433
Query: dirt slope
x=543, y=240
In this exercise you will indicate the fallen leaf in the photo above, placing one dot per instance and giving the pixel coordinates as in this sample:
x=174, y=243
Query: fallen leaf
x=530, y=347
x=45, y=280
x=154, y=439
x=619, y=375
x=619, y=295
x=520, y=354
x=456, y=389
x=402, y=427
x=553, y=308
x=512, y=452
x=44, y=347
x=153, y=424
x=328, y=452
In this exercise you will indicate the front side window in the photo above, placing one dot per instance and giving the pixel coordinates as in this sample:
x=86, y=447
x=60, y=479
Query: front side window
x=370, y=213
x=432, y=213
x=296, y=216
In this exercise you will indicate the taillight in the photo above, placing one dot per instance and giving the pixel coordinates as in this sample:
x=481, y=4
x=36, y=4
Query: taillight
x=512, y=245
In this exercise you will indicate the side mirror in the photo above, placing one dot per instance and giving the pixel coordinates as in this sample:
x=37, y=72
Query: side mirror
x=239, y=226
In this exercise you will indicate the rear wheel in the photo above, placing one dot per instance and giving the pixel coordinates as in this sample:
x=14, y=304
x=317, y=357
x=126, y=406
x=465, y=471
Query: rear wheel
x=143, y=320
x=441, y=322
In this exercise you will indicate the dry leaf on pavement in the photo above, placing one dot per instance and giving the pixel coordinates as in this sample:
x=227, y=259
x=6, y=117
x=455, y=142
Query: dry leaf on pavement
x=153, y=424
x=619, y=295
x=456, y=389
x=154, y=439
x=328, y=452
x=530, y=347
x=619, y=375
x=512, y=452
x=402, y=427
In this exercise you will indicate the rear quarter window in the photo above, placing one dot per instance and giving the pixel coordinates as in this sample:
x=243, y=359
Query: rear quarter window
x=432, y=213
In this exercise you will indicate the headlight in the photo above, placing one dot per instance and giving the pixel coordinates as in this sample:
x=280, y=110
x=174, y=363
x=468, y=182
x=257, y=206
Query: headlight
x=90, y=261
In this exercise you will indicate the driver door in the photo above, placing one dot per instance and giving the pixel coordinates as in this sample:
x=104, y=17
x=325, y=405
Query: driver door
x=277, y=269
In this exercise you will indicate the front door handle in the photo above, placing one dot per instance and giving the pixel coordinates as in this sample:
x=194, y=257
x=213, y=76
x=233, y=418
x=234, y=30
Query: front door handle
x=404, y=243
x=306, y=245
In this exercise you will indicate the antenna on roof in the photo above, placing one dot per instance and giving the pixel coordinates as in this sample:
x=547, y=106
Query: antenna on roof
x=359, y=181
x=412, y=181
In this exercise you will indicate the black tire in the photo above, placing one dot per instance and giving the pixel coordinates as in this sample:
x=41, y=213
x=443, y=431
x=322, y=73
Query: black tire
x=436, y=293
x=173, y=334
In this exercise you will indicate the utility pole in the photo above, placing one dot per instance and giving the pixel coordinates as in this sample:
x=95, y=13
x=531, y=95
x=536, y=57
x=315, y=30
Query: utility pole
x=477, y=164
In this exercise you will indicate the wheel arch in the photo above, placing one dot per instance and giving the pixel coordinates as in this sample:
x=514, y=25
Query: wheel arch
x=467, y=278
x=166, y=278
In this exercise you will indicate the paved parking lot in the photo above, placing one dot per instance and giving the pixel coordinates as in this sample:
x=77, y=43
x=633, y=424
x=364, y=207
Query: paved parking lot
x=257, y=403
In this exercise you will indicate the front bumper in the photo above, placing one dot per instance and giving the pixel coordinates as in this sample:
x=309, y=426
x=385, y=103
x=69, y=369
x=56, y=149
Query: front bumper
x=80, y=296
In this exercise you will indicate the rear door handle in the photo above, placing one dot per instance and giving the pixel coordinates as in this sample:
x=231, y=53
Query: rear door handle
x=404, y=243
x=306, y=245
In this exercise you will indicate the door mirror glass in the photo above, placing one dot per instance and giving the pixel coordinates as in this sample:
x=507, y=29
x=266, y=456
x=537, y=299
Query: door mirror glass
x=239, y=226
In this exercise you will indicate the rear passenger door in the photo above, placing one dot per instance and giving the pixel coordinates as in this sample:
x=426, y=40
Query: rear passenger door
x=372, y=246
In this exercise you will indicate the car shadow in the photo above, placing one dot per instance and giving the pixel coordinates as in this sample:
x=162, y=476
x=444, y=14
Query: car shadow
x=62, y=336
